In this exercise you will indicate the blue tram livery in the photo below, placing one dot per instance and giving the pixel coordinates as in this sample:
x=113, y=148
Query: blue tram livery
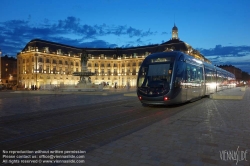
x=174, y=77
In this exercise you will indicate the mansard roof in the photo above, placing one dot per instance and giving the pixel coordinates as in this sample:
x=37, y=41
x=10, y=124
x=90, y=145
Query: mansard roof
x=177, y=44
x=53, y=47
x=173, y=44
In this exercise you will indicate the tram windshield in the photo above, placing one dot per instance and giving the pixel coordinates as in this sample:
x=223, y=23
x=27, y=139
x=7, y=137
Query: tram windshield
x=155, y=75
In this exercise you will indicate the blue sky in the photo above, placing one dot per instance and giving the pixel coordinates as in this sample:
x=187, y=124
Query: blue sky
x=219, y=29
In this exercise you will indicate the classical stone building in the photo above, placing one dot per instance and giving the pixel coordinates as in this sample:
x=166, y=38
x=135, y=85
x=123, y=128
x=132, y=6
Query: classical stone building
x=45, y=63
x=232, y=69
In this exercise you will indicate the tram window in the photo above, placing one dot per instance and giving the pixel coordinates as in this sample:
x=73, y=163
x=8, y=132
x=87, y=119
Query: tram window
x=208, y=75
x=180, y=74
x=161, y=69
x=154, y=75
x=141, y=77
x=194, y=74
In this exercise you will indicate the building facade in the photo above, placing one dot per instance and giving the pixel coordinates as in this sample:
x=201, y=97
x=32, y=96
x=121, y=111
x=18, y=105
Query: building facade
x=232, y=69
x=43, y=63
x=8, y=70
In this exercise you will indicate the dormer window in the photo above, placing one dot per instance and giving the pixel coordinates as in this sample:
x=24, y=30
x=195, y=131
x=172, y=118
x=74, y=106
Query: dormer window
x=46, y=49
x=59, y=51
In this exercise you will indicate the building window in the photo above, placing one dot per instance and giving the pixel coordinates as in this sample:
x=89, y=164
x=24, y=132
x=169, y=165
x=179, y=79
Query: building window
x=115, y=71
x=66, y=62
x=128, y=71
x=40, y=68
x=54, y=69
x=47, y=60
x=40, y=60
x=47, y=69
x=54, y=61
x=71, y=63
x=96, y=71
x=60, y=61
x=60, y=70
x=134, y=72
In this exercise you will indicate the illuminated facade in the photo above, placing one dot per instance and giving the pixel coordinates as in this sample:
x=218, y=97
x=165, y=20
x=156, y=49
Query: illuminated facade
x=45, y=63
x=38, y=66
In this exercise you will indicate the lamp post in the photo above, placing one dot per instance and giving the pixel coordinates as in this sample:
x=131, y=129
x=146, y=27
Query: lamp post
x=36, y=55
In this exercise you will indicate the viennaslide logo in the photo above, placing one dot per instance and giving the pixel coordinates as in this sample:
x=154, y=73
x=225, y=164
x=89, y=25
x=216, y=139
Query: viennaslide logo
x=233, y=155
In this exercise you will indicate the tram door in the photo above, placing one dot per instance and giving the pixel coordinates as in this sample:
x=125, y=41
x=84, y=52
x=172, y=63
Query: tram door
x=194, y=81
x=180, y=81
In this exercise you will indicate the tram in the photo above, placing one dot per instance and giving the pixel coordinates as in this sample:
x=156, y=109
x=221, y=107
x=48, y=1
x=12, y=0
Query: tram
x=168, y=78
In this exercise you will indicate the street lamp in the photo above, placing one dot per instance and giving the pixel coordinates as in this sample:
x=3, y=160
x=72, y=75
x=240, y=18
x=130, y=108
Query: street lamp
x=36, y=55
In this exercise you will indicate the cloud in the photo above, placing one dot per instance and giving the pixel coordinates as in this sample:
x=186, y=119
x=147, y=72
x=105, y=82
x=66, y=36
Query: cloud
x=15, y=34
x=238, y=56
x=226, y=51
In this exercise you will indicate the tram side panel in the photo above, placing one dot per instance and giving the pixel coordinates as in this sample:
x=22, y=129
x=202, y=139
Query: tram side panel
x=194, y=81
x=210, y=79
x=178, y=86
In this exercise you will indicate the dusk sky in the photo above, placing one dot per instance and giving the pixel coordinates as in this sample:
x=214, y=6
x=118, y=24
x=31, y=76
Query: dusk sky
x=220, y=29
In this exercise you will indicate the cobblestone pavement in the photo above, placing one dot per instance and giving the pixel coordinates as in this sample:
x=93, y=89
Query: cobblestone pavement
x=18, y=102
x=204, y=135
